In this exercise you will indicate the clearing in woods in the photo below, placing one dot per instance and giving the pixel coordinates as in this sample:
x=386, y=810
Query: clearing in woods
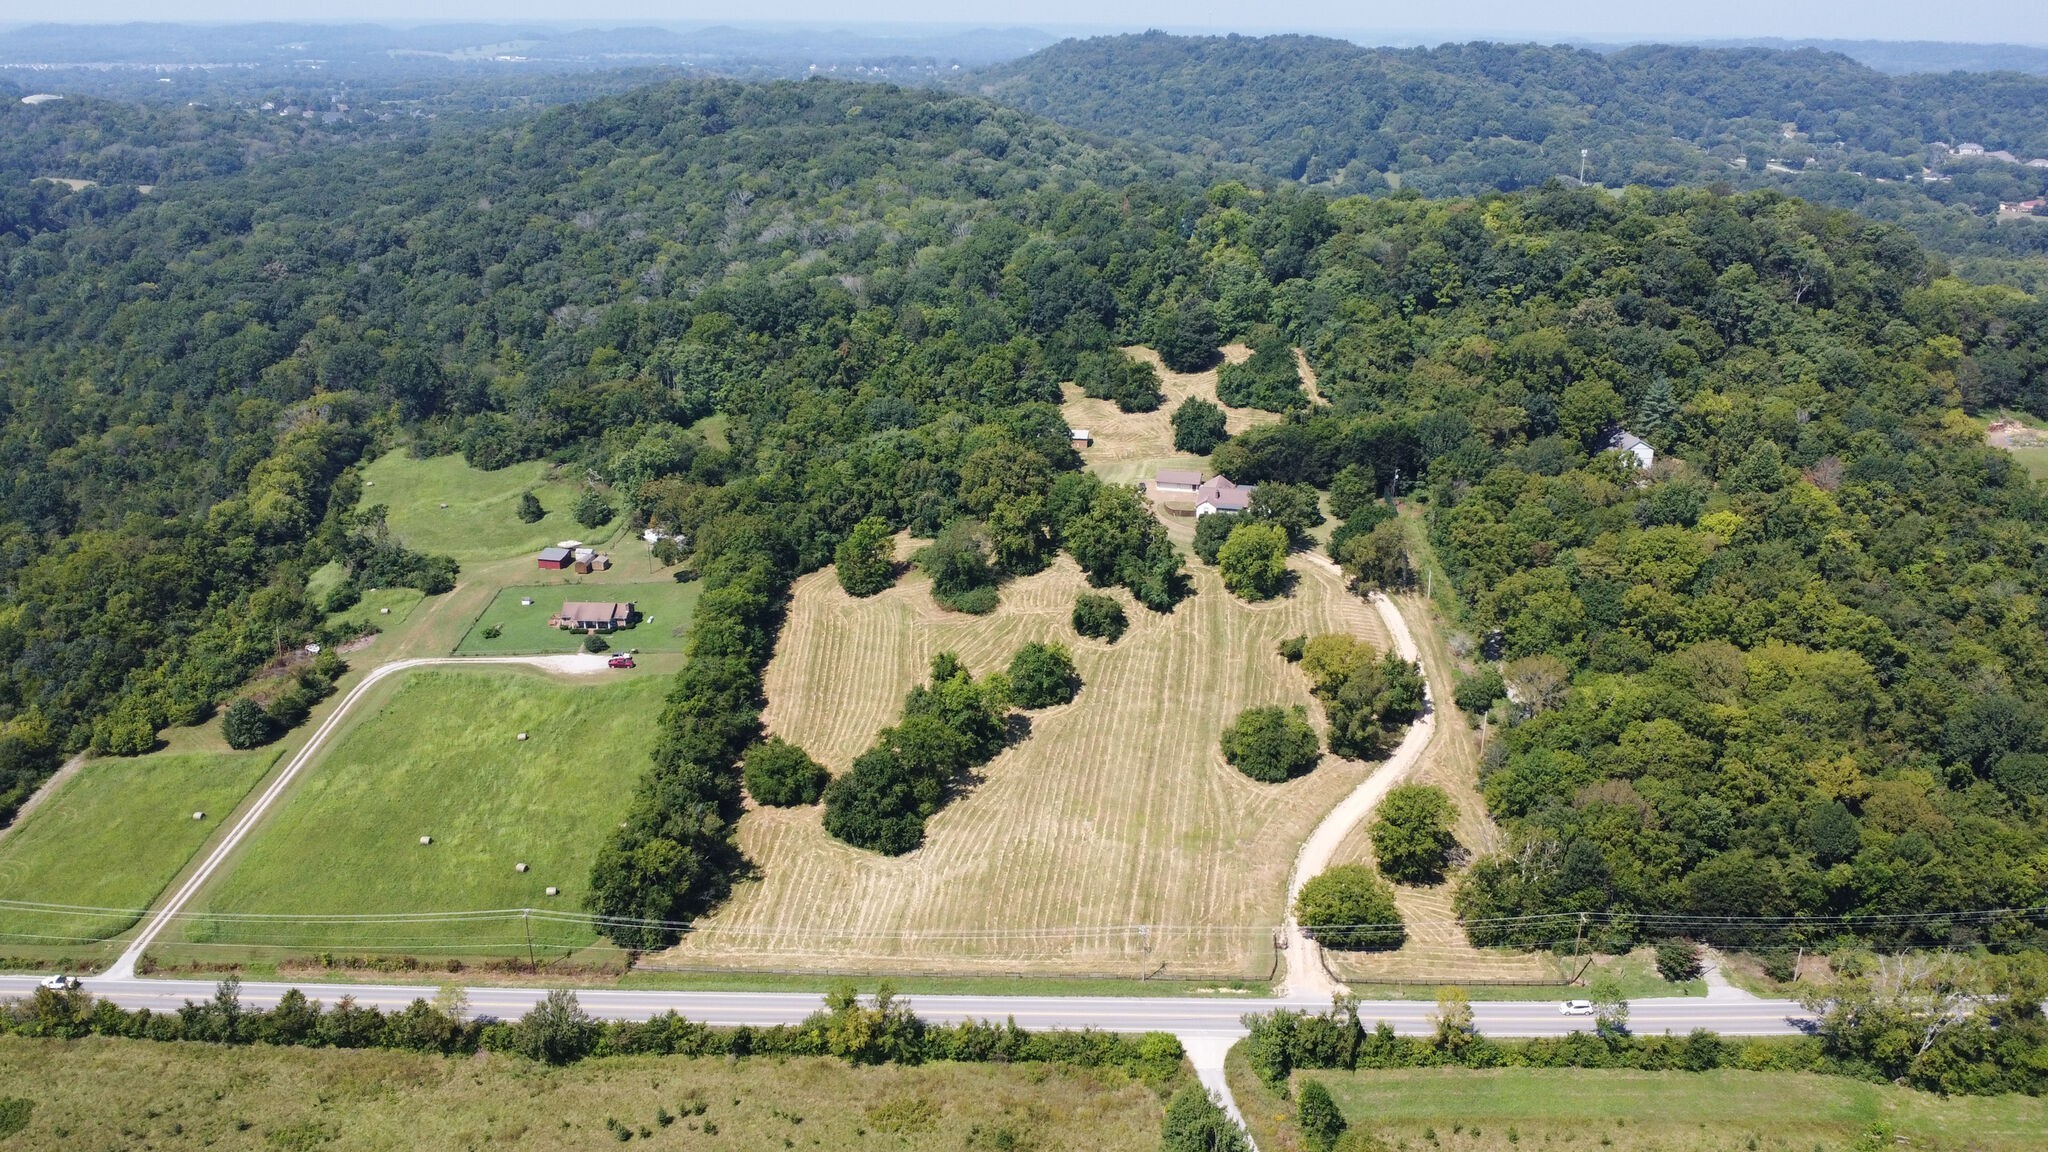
x=441, y=757
x=1113, y=840
x=481, y=520
x=1130, y=446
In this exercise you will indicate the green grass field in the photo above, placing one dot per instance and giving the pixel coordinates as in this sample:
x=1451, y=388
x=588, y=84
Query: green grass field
x=442, y=759
x=1458, y=1110
x=114, y=836
x=481, y=520
x=100, y=1095
x=665, y=607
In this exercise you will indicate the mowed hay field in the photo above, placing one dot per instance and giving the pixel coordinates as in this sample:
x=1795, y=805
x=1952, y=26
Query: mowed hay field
x=1117, y=812
x=101, y=1095
x=442, y=758
x=1131, y=446
x=112, y=837
x=1499, y=1110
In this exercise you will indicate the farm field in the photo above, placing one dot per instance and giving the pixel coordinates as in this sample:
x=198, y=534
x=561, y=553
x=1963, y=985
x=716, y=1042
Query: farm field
x=1495, y=1110
x=113, y=837
x=1130, y=447
x=665, y=608
x=102, y=1095
x=1114, y=840
x=481, y=521
x=441, y=758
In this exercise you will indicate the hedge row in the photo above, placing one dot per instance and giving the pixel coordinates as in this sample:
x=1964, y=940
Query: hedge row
x=557, y=1030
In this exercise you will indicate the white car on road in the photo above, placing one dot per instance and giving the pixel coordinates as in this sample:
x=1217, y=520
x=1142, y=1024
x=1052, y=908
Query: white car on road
x=1576, y=1008
x=59, y=982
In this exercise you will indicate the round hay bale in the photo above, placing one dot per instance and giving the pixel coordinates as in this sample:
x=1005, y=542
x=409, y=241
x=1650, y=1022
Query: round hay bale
x=426, y=840
x=554, y=891
x=519, y=867
x=199, y=815
x=444, y=505
x=522, y=735
x=384, y=611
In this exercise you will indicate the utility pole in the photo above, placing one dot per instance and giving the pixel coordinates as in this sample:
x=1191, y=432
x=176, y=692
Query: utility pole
x=526, y=922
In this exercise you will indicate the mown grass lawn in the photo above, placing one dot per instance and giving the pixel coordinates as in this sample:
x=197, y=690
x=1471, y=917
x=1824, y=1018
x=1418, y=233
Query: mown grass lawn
x=114, y=836
x=442, y=759
x=1523, y=1108
x=481, y=520
x=665, y=607
x=100, y=1094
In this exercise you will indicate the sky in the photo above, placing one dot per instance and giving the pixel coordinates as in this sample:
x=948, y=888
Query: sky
x=1979, y=21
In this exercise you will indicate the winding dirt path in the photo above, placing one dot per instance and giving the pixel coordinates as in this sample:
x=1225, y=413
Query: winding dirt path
x=124, y=968
x=1307, y=978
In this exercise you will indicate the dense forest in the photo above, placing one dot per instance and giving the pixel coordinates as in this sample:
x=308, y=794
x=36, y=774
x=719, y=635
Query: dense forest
x=1462, y=119
x=1795, y=671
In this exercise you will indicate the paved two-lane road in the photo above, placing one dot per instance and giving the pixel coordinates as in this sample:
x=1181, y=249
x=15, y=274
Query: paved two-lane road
x=1181, y=1015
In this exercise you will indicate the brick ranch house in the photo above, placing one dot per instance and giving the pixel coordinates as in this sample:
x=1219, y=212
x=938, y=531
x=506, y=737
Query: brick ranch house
x=593, y=616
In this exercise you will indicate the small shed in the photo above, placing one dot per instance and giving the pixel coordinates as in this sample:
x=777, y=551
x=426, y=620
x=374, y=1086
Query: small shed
x=1080, y=437
x=554, y=558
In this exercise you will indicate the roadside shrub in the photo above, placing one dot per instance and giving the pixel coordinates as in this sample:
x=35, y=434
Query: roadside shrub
x=595, y=643
x=1042, y=676
x=1349, y=908
x=1411, y=836
x=1099, y=616
x=556, y=1031
x=1317, y=1117
x=1476, y=693
x=1679, y=961
x=1272, y=744
x=1198, y=426
x=781, y=774
x=1196, y=1123
x=245, y=725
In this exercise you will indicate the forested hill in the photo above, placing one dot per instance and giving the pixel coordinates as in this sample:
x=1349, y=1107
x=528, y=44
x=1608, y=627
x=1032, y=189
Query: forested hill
x=1467, y=118
x=181, y=385
x=1799, y=671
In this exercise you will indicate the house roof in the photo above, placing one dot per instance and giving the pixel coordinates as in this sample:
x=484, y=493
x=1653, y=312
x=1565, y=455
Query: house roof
x=1220, y=491
x=595, y=610
x=554, y=553
x=1624, y=440
x=1179, y=477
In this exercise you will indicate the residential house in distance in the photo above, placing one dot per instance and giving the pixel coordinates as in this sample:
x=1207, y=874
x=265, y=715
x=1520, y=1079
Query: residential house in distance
x=593, y=616
x=1218, y=494
x=1621, y=440
x=1176, y=480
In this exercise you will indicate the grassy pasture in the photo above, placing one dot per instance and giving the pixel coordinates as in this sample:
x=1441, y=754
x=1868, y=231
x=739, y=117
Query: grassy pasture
x=101, y=1095
x=481, y=521
x=441, y=759
x=1496, y=1110
x=665, y=607
x=113, y=837
x=1117, y=811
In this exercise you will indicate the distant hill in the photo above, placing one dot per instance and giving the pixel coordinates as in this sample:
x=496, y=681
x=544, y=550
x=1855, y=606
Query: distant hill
x=1467, y=118
x=1900, y=57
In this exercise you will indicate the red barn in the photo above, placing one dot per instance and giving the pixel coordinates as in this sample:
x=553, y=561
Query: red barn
x=556, y=557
